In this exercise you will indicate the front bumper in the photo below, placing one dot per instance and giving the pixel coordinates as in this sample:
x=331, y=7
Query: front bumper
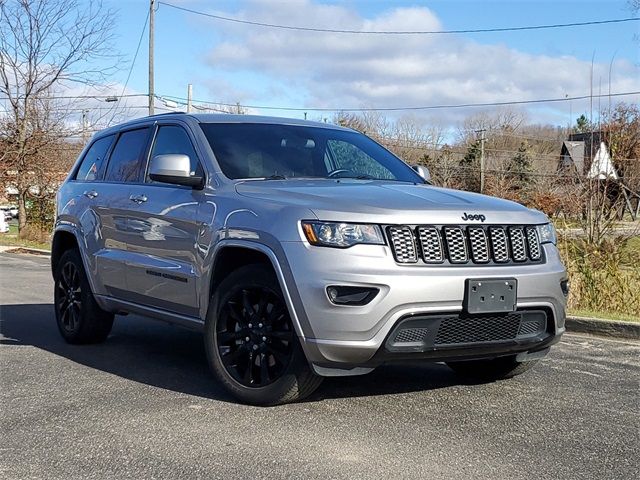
x=335, y=336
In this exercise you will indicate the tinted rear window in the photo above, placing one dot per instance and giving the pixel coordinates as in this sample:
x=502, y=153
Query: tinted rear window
x=93, y=159
x=126, y=163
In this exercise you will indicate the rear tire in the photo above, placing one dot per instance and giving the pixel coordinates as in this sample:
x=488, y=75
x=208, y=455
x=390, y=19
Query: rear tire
x=80, y=319
x=252, y=347
x=491, y=369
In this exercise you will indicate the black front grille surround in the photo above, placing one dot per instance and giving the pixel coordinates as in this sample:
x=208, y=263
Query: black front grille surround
x=518, y=248
x=456, y=243
x=500, y=245
x=403, y=243
x=431, y=245
x=449, y=331
x=465, y=244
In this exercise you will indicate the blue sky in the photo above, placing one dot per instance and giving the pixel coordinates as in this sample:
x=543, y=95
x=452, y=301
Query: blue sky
x=258, y=66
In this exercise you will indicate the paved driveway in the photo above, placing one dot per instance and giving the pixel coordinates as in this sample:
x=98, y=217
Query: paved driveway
x=143, y=405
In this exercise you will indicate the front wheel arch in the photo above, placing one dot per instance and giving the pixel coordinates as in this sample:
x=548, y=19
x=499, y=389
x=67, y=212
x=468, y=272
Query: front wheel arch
x=240, y=253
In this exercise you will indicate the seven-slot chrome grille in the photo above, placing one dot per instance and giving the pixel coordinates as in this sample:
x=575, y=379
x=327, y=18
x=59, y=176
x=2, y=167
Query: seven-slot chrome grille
x=455, y=244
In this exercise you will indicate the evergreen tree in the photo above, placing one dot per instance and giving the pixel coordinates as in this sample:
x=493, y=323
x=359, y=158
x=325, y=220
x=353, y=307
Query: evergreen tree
x=520, y=167
x=470, y=168
x=582, y=124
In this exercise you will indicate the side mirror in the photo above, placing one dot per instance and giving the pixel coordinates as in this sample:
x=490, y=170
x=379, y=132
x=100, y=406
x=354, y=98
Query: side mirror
x=174, y=168
x=423, y=172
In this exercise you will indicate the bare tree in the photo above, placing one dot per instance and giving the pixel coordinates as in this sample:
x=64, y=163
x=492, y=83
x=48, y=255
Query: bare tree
x=45, y=46
x=621, y=132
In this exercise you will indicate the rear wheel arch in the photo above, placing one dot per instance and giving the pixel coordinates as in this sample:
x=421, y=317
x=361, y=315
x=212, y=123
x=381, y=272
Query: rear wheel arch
x=63, y=240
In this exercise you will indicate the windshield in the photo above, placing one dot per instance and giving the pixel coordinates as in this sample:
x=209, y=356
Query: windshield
x=258, y=150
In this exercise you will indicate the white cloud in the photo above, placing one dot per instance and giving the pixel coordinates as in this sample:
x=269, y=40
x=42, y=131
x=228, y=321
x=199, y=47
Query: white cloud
x=338, y=70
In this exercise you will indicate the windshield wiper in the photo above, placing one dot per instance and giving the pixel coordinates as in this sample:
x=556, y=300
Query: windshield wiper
x=274, y=177
x=363, y=176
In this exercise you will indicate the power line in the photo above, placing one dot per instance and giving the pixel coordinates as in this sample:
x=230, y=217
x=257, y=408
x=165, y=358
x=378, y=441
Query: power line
x=77, y=97
x=397, y=109
x=399, y=32
x=133, y=62
x=183, y=100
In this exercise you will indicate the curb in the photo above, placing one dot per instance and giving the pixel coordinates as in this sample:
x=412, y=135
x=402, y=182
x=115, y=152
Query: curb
x=605, y=328
x=18, y=249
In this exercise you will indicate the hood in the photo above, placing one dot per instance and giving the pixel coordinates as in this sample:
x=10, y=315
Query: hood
x=375, y=201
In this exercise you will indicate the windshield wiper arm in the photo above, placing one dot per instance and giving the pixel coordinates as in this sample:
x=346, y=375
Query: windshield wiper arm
x=275, y=177
x=363, y=176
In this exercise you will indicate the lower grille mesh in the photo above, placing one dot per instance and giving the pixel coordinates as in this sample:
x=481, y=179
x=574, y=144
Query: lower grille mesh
x=433, y=332
x=410, y=335
x=471, y=329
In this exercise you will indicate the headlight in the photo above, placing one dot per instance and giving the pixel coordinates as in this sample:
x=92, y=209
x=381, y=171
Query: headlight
x=342, y=235
x=547, y=233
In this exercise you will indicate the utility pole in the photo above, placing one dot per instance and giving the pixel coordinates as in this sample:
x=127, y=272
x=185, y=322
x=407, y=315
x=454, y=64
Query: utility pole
x=151, y=28
x=482, y=140
x=189, y=97
x=84, y=125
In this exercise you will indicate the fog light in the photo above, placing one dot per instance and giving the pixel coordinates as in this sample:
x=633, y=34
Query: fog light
x=347, y=295
x=333, y=293
x=564, y=285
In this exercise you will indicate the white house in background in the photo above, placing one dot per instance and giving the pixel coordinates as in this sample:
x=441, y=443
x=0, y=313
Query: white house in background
x=602, y=167
x=586, y=155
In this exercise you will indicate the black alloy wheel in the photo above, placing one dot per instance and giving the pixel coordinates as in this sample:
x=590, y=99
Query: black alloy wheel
x=79, y=317
x=254, y=336
x=69, y=297
x=251, y=343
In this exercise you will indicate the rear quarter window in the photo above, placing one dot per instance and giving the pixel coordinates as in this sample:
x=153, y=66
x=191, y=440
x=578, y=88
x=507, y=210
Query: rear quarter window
x=94, y=158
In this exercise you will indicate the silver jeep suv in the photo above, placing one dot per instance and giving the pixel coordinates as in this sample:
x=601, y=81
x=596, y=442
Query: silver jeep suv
x=301, y=250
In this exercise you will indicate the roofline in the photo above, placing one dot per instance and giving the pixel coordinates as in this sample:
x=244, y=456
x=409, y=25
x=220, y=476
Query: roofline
x=221, y=118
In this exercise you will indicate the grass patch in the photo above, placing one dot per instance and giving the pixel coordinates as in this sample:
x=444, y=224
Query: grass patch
x=605, y=279
x=630, y=252
x=604, y=315
x=11, y=239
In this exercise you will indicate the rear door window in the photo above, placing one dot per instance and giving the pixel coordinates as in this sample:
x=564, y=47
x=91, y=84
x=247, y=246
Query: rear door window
x=127, y=159
x=93, y=159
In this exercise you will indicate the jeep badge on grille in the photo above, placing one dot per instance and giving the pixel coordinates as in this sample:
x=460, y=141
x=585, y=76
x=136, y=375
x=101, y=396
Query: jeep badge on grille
x=473, y=216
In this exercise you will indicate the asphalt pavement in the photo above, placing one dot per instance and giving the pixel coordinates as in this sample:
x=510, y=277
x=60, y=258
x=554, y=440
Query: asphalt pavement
x=143, y=405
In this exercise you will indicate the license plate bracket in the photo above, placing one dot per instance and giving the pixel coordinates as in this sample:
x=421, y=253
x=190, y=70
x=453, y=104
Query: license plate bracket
x=494, y=295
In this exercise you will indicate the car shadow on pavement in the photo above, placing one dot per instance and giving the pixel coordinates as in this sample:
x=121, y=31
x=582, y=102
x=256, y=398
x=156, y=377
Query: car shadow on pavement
x=162, y=355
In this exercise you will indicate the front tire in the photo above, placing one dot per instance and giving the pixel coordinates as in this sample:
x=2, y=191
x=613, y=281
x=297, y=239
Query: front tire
x=252, y=347
x=80, y=319
x=491, y=369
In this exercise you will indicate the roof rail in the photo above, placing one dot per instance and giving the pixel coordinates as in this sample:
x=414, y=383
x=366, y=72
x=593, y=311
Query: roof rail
x=166, y=113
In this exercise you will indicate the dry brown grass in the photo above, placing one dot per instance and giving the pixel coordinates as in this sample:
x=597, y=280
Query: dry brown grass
x=604, y=278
